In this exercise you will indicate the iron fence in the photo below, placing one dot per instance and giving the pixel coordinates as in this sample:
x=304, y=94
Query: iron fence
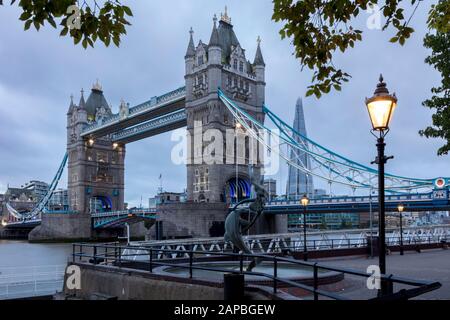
x=114, y=255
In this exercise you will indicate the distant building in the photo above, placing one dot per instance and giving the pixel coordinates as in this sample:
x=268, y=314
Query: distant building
x=2, y=203
x=270, y=185
x=21, y=199
x=320, y=193
x=299, y=183
x=39, y=188
x=320, y=221
x=167, y=197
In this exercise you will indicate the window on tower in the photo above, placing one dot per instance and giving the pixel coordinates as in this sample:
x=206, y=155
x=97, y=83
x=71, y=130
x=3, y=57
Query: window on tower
x=241, y=66
x=235, y=64
x=200, y=60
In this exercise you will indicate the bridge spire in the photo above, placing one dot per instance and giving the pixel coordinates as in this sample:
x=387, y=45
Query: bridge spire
x=191, y=48
x=224, y=16
x=259, y=60
x=97, y=86
x=71, y=105
x=82, y=103
x=214, y=40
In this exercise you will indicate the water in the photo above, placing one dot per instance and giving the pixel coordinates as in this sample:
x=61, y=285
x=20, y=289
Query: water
x=28, y=269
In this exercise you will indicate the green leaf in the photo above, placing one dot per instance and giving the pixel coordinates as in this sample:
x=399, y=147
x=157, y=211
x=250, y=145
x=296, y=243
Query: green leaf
x=393, y=39
x=64, y=31
x=127, y=11
x=28, y=24
x=51, y=21
x=25, y=16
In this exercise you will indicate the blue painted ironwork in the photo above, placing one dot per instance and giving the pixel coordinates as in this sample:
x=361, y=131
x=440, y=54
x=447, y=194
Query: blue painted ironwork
x=118, y=218
x=40, y=206
x=326, y=164
x=160, y=122
x=153, y=103
x=360, y=204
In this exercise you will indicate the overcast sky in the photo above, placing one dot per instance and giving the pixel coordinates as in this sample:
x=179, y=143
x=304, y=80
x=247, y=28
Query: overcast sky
x=40, y=70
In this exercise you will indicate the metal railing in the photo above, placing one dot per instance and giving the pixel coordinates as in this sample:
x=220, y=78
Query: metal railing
x=23, y=282
x=112, y=255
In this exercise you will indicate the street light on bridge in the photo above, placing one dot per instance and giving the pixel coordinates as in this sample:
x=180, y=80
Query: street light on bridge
x=381, y=109
x=400, y=209
x=304, y=201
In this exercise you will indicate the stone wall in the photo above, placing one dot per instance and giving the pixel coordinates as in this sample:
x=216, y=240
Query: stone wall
x=62, y=227
x=183, y=220
x=138, y=285
x=189, y=219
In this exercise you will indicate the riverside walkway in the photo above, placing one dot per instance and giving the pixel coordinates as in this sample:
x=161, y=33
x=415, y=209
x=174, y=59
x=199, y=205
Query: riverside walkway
x=430, y=265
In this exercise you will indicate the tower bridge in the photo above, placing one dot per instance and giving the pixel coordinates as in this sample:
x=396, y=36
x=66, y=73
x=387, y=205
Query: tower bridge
x=223, y=91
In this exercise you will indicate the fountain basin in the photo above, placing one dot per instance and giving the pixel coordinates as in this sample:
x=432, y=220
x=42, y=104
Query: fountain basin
x=289, y=271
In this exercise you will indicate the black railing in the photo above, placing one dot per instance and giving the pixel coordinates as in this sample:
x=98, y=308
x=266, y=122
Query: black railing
x=114, y=255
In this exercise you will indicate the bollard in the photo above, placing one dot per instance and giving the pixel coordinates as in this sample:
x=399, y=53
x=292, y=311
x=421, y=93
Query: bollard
x=233, y=287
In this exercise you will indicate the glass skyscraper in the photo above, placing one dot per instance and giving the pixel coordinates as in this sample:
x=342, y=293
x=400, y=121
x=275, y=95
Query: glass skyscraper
x=299, y=183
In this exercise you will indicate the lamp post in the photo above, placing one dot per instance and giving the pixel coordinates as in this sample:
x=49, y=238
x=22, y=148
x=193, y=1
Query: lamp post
x=304, y=201
x=381, y=108
x=400, y=208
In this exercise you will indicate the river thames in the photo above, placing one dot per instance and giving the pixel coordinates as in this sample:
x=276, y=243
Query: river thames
x=30, y=269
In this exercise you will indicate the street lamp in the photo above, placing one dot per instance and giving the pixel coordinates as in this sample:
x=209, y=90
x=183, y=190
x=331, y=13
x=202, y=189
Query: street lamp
x=381, y=108
x=400, y=209
x=304, y=201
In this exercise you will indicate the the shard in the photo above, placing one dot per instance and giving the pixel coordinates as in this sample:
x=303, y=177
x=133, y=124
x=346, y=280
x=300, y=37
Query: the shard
x=299, y=183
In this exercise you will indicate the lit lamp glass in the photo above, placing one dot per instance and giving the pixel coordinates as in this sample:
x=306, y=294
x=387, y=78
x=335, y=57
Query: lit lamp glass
x=400, y=208
x=115, y=145
x=304, y=201
x=91, y=142
x=381, y=107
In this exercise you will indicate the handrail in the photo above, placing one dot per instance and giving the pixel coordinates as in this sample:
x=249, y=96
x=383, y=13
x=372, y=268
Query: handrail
x=118, y=257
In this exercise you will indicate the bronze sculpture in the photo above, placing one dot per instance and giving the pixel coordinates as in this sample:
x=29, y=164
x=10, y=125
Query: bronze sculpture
x=236, y=226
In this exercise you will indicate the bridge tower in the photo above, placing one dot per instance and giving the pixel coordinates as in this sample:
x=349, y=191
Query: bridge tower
x=221, y=63
x=95, y=174
x=95, y=167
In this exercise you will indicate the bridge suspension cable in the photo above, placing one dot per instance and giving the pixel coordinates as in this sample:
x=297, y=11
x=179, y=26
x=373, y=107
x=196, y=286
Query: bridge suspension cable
x=324, y=163
x=40, y=206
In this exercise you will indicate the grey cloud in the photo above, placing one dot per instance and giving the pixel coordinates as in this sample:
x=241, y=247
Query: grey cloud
x=39, y=71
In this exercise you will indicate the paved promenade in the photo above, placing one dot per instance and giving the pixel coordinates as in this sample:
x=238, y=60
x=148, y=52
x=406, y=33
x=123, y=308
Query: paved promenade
x=429, y=265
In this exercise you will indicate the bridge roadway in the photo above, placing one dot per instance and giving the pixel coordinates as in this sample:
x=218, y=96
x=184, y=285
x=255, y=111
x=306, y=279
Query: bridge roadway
x=362, y=204
x=158, y=115
x=358, y=204
x=101, y=220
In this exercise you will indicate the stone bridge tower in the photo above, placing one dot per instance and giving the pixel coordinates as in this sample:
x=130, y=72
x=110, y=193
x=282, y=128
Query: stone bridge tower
x=95, y=175
x=95, y=167
x=222, y=63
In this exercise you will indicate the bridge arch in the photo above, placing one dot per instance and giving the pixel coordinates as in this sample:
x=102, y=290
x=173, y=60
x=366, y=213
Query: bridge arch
x=237, y=189
x=100, y=203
